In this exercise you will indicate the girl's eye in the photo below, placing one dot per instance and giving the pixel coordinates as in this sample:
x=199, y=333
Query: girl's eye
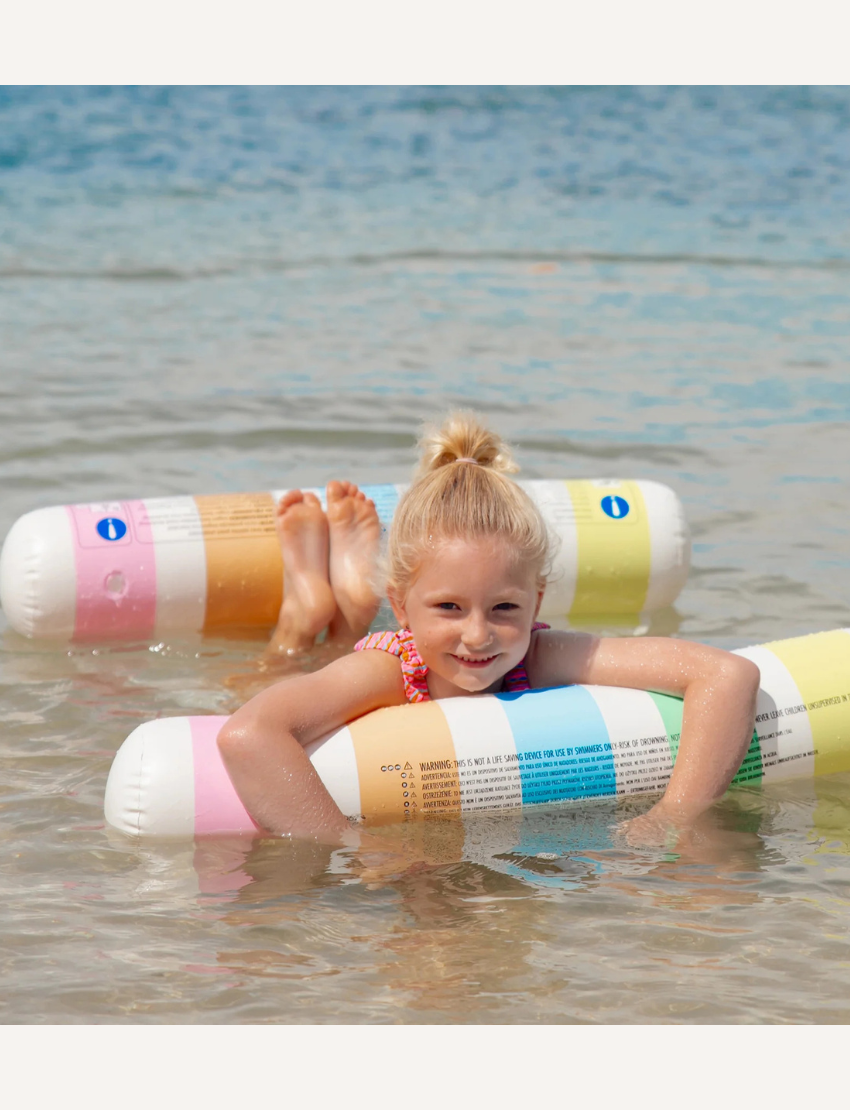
x=446, y=605
x=506, y=606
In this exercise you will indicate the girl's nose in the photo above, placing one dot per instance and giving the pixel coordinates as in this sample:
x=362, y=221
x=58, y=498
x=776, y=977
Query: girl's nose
x=476, y=632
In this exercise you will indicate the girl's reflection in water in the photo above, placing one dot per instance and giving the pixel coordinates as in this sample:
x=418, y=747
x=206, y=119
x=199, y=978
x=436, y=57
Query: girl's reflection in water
x=449, y=913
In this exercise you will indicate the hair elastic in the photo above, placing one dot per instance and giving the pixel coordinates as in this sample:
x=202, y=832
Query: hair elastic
x=473, y=461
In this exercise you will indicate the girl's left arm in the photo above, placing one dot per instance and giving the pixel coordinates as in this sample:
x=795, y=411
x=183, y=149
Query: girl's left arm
x=719, y=691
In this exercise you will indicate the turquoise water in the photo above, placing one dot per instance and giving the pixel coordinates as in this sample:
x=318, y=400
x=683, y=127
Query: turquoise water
x=216, y=290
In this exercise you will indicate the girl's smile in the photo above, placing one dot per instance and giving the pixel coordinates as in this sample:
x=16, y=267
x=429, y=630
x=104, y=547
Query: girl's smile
x=470, y=609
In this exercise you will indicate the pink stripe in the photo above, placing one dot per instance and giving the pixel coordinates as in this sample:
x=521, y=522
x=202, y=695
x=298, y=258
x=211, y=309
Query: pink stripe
x=116, y=571
x=217, y=805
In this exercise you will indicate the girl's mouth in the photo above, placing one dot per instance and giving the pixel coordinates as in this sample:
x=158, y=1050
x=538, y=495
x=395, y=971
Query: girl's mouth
x=472, y=661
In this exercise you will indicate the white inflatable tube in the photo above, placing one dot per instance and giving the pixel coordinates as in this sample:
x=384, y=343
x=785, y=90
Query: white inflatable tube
x=494, y=752
x=142, y=569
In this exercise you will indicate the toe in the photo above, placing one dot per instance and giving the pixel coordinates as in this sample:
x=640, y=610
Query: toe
x=290, y=498
x=335, y=490
x=312, y=500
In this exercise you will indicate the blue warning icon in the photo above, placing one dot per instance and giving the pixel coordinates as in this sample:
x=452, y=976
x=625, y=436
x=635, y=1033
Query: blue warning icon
x=615, y=507
x=113, y=527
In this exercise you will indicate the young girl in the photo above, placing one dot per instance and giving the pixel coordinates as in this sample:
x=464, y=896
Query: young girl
x=467, y=560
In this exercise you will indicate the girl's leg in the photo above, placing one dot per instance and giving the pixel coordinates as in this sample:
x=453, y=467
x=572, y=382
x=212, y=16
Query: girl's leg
x=328, y=583
x=355, y=538
x=308, y=600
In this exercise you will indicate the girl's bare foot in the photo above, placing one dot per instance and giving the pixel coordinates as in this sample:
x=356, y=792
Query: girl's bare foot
x=308, y=601
x=355, y=537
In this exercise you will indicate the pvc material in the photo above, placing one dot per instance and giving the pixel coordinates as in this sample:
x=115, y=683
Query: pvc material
x=141, y=569
x=493, y=752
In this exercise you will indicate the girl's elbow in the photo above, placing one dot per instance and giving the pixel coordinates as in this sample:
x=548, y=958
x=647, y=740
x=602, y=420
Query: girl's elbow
x=247, y=738
x=236, y=741
x=744, y=673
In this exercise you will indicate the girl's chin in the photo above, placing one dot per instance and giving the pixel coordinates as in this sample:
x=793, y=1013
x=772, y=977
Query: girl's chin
x=469, y=678
x=477, y=680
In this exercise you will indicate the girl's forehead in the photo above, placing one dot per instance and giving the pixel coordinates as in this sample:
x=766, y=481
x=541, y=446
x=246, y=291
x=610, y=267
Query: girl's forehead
x=448, y=548
x=488, y=556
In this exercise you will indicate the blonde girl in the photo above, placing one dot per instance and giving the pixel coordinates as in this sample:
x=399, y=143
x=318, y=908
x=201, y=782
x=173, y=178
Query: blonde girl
x=467, y=560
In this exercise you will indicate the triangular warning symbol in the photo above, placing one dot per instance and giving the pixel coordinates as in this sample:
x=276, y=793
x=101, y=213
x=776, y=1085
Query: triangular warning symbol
x=407, y=767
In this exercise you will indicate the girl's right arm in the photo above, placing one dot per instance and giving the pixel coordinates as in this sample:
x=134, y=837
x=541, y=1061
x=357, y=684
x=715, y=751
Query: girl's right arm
x=262, y=744
x=719, y=691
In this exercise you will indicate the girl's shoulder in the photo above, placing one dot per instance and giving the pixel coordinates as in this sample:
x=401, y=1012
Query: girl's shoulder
x=399, y=643
x=319, y=702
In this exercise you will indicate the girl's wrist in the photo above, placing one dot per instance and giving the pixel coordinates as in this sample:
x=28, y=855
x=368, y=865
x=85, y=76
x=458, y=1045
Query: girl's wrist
x=680, y=811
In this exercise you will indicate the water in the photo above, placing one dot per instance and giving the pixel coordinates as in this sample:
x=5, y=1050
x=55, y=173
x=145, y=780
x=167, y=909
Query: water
x=221, y=290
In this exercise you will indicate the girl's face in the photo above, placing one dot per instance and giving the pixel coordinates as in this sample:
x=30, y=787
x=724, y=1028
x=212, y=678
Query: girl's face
x=470, y=609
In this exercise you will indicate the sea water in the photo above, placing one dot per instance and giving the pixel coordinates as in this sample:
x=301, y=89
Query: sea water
x=211, y=290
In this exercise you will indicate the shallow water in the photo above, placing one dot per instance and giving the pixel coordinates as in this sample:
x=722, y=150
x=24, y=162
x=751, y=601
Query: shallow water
x=214, y=290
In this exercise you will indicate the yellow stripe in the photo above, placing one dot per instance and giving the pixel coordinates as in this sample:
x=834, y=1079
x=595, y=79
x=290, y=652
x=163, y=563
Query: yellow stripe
x=820, y=666
x=830, y=817
x=614, y=555
x=391, y=746
x=244, y=564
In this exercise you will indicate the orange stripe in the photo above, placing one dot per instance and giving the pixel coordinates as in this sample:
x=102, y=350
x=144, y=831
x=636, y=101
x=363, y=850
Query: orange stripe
x=244, y=564
x=406, y=763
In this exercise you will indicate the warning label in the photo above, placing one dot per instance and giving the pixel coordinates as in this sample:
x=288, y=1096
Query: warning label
x=643, y=764
x=169, y=521
x=232, y=516
x=226, y=516
x=490, y=782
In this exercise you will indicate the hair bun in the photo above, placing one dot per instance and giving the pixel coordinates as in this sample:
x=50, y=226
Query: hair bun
x=463, y=438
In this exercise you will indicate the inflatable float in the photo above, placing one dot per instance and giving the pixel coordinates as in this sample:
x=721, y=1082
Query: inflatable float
x=493, y=752
x=139, y=569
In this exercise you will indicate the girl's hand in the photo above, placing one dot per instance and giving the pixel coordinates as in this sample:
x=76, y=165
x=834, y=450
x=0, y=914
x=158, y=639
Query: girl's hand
x=659, y=827
x=649, y=830
x=720, y=848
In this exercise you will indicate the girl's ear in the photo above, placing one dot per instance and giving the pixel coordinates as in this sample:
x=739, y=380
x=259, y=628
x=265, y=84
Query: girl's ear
x=397, y=606
x=539, y=602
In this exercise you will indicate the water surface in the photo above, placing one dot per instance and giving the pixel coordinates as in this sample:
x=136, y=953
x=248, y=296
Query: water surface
x=207, y=290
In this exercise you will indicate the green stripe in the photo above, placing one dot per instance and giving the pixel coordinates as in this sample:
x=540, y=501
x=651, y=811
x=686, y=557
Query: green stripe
x=670, y=708
x=751, y=770
x=671, y=714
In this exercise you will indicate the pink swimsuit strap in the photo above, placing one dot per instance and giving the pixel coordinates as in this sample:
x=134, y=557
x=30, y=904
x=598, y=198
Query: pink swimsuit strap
x=415, y=673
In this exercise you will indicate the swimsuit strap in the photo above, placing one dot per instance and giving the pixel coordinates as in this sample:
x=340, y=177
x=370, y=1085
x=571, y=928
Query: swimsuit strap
x=516, y=680
x=414, y=673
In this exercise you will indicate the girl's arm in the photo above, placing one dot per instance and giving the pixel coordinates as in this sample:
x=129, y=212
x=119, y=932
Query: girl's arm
x=262, y=743
x=719, y=691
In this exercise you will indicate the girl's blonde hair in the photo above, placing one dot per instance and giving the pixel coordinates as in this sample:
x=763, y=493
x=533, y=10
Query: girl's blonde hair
x=460, y=491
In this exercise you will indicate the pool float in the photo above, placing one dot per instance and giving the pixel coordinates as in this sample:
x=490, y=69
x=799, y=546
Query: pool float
x=140, y=569
x=493, y=752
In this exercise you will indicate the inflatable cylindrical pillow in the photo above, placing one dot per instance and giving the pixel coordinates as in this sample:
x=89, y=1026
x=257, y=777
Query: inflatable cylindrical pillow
x=499, y=751
x=142, y=569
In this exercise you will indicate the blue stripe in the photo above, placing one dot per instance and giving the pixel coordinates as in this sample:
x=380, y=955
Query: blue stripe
x=385, y=498
x=562, y=745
